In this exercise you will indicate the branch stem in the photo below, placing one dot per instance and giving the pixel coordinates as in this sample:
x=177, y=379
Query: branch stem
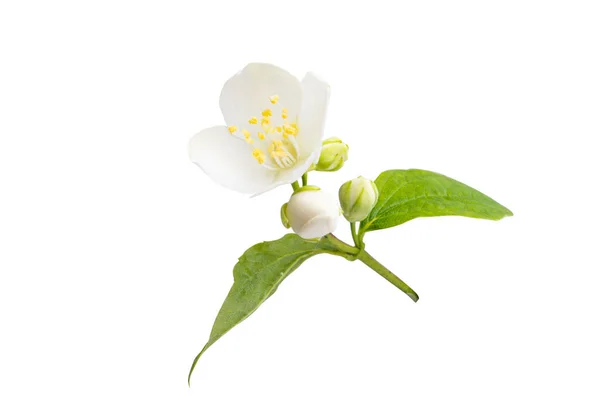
x=387, y=274
x=347, y=251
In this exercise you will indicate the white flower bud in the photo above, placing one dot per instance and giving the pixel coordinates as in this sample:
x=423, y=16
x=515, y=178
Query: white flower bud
x=333, y=155
x=357, y=198
x=312, y=213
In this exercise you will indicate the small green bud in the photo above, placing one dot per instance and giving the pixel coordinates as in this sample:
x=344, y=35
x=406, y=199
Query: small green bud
x=357, y=198
x=333, y=155
x=284, y=218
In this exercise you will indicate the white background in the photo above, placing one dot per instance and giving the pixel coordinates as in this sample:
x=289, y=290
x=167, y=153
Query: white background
x=116, y=252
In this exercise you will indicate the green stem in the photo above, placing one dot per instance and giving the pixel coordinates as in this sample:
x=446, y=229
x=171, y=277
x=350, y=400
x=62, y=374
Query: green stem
x=305, y=179
x=361, y=233
x=295, y=185
x=387, y=274
x=349, y=252
x=357, y=242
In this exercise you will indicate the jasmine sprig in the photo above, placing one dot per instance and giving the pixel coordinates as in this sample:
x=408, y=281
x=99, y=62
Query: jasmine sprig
x=281, y=149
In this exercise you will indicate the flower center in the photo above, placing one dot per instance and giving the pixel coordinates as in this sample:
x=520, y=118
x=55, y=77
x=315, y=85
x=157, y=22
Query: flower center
x=274, y=138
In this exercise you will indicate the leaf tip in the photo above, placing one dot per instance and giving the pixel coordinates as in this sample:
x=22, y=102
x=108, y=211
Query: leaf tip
x=194, y=365
x=505, y=212
x=189, y=379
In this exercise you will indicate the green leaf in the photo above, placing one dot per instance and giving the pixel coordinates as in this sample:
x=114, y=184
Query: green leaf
x=410, y=194
x=257, y=275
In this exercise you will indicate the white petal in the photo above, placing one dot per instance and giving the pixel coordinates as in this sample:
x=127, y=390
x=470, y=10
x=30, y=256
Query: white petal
x=290, y=175
x=313, y=214
x=311, y=121
x=295, y=173
x=318, y=226
x=247, y=94
x=228, y=161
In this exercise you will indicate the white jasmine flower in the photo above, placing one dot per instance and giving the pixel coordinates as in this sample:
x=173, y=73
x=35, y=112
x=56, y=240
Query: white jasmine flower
x=274, y=129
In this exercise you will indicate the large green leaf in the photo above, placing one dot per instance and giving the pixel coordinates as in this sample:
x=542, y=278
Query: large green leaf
x=257, y=275
x=410, y=194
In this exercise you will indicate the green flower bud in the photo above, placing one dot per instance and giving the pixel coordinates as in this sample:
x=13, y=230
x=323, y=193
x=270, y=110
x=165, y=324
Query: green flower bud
x=357, y=198
x=333, y=155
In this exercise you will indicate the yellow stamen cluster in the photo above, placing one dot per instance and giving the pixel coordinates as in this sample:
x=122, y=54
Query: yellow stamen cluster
x=290, y=130
x=258, y=155
x=277, y=149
